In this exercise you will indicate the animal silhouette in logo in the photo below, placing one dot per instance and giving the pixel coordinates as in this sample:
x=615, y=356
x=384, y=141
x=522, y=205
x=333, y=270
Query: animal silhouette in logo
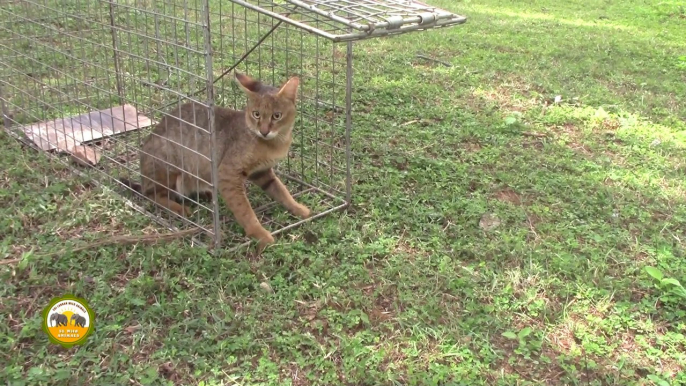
x=78, y=320
x=59, y=319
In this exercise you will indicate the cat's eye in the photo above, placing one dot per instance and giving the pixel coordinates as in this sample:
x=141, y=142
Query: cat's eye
x=276, y=116
x=256, y=114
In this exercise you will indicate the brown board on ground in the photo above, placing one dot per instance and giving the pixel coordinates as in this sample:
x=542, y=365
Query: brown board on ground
x=66, y=133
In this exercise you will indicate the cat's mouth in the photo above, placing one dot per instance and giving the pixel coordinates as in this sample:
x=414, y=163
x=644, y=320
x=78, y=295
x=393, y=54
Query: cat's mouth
x=269, y=136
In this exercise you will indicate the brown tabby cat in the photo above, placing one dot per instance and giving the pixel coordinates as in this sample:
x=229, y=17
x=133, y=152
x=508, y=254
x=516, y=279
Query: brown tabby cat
x=251, y=142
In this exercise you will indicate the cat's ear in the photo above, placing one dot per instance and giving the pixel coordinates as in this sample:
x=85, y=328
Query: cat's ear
x=248, y=84
x=290, y=89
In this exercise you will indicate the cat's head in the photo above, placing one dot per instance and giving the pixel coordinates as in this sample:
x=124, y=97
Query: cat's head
x=270, y=111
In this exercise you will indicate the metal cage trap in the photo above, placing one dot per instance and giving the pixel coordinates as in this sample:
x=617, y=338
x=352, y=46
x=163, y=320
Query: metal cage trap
x=64, y=64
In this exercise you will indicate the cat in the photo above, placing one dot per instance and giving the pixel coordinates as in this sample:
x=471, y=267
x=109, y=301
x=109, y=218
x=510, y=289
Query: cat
x=250, y=144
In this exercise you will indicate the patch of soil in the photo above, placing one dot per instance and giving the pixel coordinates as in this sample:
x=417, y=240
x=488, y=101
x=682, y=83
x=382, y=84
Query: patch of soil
x=508, y=195
x=297, y=375
x=532, y=143
x=512, y=363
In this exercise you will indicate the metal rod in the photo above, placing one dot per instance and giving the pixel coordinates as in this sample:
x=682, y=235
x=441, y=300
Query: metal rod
x=5, y=113
x=294, y=225
x=300, y=181
x=334, y=49
x=158, y=41
x=115, y=53
x=316, y=111
x=300, y=116
x=348, y=120
x=212, y=127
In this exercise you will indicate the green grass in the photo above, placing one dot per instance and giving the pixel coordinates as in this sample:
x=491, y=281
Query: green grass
x=406, y=288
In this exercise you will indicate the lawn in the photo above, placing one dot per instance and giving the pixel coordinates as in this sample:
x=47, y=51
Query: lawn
x=505, y=210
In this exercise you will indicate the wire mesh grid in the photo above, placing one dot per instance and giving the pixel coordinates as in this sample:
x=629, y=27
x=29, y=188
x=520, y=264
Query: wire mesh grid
x=67, y=58
x=350, y=20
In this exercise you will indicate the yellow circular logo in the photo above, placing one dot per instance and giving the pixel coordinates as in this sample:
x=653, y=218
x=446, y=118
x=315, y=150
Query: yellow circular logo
x=68, y=321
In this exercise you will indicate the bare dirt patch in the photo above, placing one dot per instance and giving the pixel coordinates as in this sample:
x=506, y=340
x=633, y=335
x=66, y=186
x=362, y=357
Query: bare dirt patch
x=508, y=195
x=511, y=94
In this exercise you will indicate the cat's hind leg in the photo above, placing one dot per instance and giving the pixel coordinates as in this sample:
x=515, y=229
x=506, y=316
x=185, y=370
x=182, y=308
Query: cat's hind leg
x=165, y=200
x=164, y=195
x=190, y=186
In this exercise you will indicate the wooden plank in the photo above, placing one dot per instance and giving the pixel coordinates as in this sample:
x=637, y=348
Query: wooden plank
x=64, y=134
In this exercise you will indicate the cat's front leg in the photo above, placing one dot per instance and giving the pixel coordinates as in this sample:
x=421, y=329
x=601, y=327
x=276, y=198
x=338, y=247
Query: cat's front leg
x=232, y=188
x=272, y=185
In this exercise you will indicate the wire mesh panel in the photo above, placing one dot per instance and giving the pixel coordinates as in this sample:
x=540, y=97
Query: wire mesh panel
x=89, y=80
x=349, y=20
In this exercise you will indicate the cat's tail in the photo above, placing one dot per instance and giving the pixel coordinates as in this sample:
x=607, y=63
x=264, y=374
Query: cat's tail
x=131, y=185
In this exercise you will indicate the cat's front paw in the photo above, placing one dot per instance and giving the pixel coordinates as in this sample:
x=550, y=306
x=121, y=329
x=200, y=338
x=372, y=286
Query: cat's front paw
x=263, y=236
x=302, y=211
x=264, y=243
